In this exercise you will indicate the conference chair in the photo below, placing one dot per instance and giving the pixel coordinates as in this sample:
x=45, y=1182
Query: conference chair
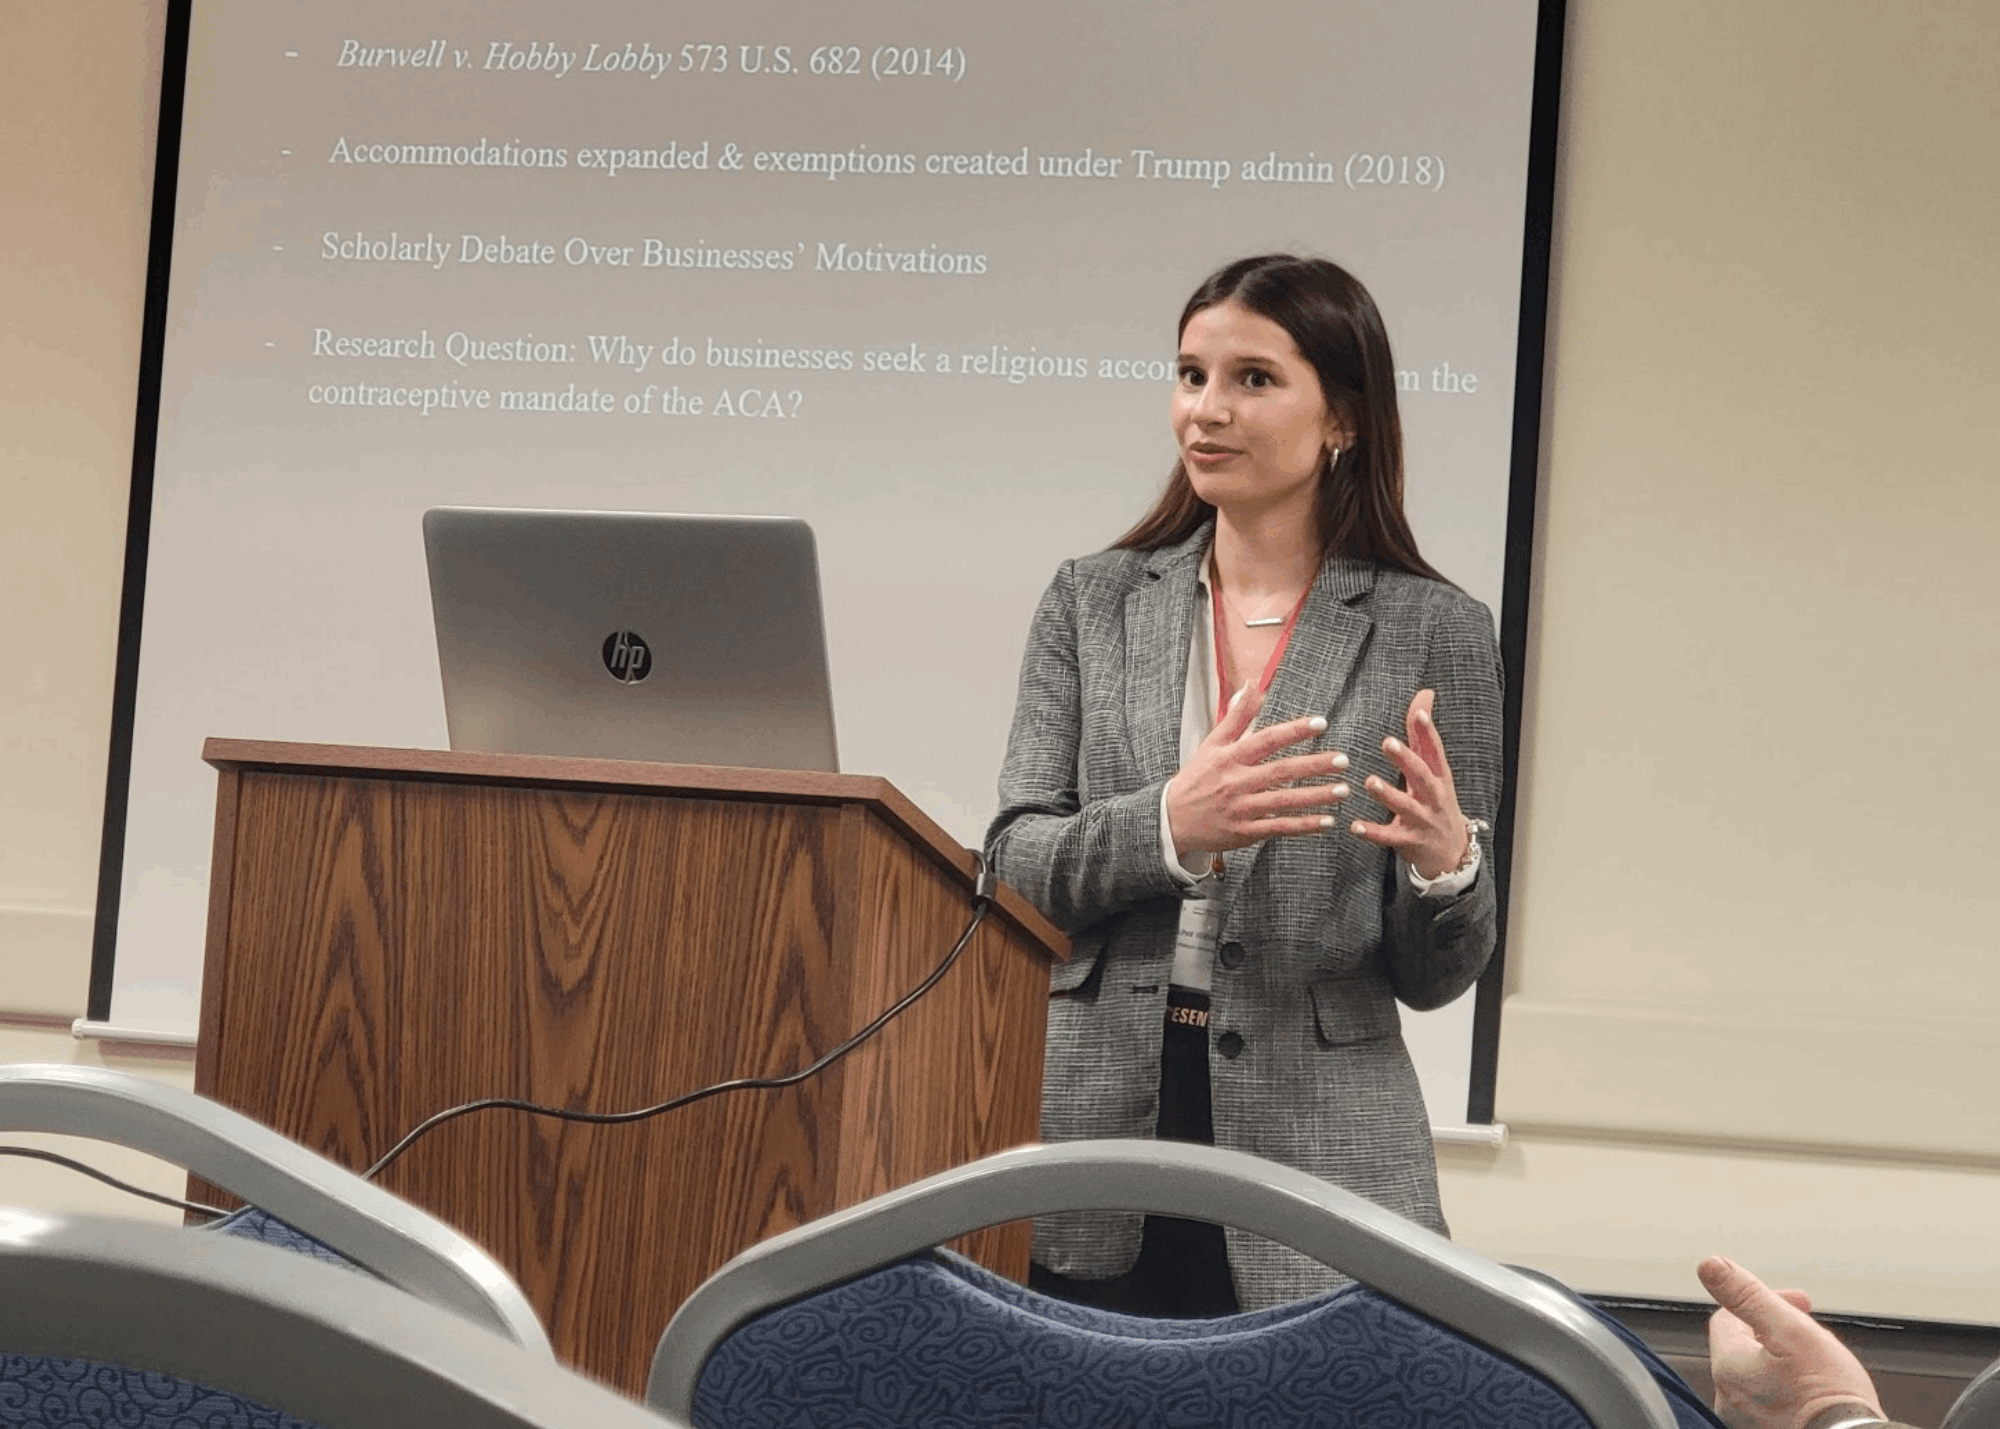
x=854, y=1320
x=266, y=1333
x=329, y=1207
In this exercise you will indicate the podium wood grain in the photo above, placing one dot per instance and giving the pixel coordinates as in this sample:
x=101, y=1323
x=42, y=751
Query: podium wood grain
x=394, y=932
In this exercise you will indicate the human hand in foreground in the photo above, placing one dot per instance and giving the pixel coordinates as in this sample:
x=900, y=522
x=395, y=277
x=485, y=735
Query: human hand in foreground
x=1231, y=793
x=1775, y=1366
x=1425, y=825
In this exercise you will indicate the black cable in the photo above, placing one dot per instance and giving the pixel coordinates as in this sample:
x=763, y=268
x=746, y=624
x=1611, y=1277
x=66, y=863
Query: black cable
x=33, y=1154
x=982, y=900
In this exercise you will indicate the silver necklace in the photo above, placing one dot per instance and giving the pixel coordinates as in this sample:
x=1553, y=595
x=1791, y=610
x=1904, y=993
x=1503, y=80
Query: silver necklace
x=1259, y=622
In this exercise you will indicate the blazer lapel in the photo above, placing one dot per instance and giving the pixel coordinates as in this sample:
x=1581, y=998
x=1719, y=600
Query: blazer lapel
x=1325, y=643
x=1159, y=623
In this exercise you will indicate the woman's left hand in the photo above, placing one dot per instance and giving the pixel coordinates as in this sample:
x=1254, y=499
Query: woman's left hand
x=1425, y=826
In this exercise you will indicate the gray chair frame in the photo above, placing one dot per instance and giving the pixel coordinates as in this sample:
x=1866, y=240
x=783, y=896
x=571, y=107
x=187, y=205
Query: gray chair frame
x=340, y=1350
x=1531, y=1323
x=407, y=1247
x=1979, y=1406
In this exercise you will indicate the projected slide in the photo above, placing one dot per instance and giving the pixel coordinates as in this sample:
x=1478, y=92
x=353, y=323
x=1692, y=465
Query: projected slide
x=908, y=272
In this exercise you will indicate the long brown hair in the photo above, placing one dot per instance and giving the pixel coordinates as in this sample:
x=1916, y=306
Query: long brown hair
x=1335, y=324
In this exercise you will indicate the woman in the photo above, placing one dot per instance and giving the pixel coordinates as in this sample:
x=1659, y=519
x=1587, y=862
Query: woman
x=1198, y=705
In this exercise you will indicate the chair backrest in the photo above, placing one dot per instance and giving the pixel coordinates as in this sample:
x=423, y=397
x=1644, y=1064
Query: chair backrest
x=201, y=1313
x=250, y=1223
x=939, y=1342
x=362, y=1223
x=1418, y=1279
x=1979, y=1406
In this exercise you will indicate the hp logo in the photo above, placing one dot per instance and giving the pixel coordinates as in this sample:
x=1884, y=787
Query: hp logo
x=626, y=657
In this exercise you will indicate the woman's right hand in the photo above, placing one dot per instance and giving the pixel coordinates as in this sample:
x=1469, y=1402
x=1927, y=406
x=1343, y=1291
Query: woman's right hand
x=1231, y=793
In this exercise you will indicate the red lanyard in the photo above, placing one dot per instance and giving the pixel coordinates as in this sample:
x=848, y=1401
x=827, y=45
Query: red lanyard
x=1222, y=649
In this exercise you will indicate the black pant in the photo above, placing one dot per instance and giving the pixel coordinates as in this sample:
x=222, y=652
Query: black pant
x=1183, y=1267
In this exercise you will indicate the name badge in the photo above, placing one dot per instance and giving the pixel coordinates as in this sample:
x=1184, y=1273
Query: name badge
x=1194, y=943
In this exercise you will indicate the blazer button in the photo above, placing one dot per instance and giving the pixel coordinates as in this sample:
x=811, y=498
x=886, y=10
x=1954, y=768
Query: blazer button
x=1232, y=955
x=1230, y=1045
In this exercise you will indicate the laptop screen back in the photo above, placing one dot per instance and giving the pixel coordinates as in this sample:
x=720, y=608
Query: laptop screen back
x=626, y=635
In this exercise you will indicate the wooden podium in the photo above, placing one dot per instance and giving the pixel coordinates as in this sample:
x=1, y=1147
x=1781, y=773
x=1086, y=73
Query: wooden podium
x=392, y=932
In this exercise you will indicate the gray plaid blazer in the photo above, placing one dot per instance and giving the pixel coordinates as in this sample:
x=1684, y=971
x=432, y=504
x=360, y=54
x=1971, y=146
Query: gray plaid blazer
x=1321, y=935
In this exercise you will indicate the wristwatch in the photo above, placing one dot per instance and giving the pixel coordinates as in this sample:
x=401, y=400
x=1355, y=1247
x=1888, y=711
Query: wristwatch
x=1474, y=830
x=1467, y=866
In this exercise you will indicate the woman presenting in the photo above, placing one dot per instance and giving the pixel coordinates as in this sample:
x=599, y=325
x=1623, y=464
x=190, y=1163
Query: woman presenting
x=1256, y=744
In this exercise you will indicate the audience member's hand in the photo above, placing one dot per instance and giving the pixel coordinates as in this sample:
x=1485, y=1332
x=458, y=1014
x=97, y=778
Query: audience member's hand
x=1775, y=1366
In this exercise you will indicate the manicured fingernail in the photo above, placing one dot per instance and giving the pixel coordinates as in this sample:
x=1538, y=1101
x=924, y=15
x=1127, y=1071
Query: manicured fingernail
x=1340, y=761
x=1373, y=785
x=1392, y=744
x=1326, y=821
x=1316, y=724
x=1357, y=826
x=1338, y=791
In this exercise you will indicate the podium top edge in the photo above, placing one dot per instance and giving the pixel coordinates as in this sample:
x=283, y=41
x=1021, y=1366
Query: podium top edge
x=459, y=765
x=547, y=771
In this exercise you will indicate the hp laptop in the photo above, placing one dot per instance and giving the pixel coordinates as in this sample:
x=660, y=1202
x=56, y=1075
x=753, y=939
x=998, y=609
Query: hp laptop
x=625, y=635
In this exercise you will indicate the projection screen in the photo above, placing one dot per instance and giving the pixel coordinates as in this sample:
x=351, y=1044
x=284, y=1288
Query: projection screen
x=909, y=272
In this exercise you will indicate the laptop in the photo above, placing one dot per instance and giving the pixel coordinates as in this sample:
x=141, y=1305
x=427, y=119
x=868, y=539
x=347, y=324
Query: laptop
x=629, y=635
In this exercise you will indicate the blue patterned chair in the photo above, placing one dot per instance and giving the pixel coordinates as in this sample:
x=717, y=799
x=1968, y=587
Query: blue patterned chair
x=145, y=1326
x=854, y=1323
x=301, y=1202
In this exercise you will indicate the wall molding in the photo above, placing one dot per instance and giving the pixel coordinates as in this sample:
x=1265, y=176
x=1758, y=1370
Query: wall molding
x=1894, y=1088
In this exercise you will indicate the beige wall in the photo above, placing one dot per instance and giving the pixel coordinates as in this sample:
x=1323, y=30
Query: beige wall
x=79, y=92
x=76, y=162
x=1754, y=998
x=1754, y=1002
